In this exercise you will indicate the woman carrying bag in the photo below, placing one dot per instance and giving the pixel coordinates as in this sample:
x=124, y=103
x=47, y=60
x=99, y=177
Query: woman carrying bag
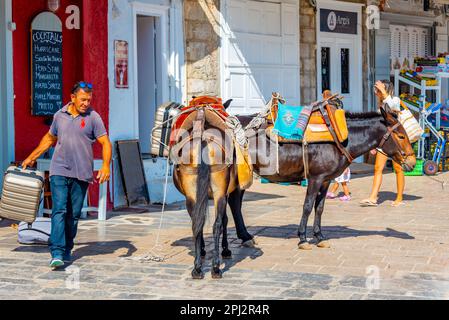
x=384, y=92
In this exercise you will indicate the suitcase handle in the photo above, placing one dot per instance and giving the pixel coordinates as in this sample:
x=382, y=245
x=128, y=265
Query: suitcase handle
x=20, y=173
x=20, y=168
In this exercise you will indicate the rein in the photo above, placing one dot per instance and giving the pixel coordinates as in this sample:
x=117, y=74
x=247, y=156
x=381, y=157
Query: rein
x=387, y=136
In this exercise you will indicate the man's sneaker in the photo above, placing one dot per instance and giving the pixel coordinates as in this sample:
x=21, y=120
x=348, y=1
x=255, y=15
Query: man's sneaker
x=56, y=263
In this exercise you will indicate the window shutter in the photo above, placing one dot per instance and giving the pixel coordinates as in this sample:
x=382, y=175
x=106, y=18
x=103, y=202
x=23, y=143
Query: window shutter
x=408, y=42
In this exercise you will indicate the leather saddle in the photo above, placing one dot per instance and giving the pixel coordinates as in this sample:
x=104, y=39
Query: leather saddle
x=185, y=121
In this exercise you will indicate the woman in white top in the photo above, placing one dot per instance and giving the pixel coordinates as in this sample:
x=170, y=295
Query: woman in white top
x=384, y=92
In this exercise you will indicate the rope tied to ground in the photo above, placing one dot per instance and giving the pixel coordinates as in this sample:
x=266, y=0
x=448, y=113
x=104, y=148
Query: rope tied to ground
x=155, y=254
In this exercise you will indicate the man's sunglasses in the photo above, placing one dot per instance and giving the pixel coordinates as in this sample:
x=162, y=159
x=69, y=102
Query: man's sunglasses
x=85, y=85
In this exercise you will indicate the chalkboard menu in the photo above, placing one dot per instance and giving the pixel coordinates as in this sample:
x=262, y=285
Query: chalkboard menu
x=46, y=72
x=132, y=172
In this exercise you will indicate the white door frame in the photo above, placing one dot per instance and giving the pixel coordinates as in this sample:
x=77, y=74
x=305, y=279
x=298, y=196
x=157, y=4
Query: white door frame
x=172, y=52
x=6, y=86
x=342, y=6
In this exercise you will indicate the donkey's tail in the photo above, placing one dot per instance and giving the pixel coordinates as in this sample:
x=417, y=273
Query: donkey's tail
x=199, y=211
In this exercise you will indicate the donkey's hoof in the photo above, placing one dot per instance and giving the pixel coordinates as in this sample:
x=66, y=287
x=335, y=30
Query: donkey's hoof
x=304, y=246
x=226, y=254
x=197, y=275
x=249, y=243
x=325, y=244
x=217, y=274
x=203, y=254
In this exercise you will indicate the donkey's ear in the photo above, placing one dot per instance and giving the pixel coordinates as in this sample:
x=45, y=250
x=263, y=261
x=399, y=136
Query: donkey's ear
x=386, y=114
x=227, y=104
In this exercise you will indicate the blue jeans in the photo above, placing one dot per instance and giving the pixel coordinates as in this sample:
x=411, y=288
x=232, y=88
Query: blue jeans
x=68, y=197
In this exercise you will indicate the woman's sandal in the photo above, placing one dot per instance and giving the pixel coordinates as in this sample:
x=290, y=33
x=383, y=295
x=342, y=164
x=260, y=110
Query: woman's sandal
x=368, y=203
x=397, y=204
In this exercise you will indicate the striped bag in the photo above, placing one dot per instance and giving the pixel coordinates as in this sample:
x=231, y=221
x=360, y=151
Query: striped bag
x=410, y=124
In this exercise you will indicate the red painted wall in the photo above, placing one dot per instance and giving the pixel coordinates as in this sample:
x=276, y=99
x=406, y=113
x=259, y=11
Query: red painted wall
x=95, y=57
x=85, y=57
x=95, y=64
x=30, y=129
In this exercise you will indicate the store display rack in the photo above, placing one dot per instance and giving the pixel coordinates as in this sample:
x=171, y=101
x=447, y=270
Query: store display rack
x=423, y=99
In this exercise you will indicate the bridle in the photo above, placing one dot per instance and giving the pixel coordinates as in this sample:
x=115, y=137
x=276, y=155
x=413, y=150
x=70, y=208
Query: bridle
x=387, y=135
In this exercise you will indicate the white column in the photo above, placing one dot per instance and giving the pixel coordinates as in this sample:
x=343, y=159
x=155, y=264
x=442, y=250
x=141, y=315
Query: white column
x=6, y=84
x=177, y=67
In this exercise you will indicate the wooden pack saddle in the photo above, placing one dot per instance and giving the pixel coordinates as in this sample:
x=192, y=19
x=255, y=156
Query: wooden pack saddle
x=215, y=116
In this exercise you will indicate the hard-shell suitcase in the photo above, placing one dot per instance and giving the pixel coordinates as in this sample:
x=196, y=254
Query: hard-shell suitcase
x=162, y=130
x=22, y=194
x=35, y=233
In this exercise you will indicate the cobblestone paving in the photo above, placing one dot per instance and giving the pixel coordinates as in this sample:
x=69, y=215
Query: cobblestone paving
x=376, y=253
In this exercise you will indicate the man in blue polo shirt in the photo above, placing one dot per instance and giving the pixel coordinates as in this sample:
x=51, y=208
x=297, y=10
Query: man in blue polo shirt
x=74, y=130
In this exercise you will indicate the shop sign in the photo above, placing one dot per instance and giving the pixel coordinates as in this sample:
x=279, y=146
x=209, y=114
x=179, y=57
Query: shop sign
x=46, y=72
x=338, y=21
x=121, y=64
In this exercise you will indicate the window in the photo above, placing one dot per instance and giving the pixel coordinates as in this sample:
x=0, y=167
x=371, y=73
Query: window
x=325, y=68
x=407, y=42
x=344, y=56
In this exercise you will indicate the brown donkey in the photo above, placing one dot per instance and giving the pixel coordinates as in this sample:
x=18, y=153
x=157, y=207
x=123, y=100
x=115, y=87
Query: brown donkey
x=205, y=168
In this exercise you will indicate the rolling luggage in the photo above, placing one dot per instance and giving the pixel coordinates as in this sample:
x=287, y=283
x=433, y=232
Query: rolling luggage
x=36, y=233
x=22, y=194
x=162, y=130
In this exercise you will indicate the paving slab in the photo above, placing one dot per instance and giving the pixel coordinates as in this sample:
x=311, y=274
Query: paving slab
x=376, y=253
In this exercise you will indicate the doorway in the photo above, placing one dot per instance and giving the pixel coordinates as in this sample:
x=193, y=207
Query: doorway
x=149, y=72
x=339, y=52
x=338, y=70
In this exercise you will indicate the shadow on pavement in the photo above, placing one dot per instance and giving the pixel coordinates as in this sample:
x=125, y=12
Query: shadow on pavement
x=103, y=248
x=391, y=196
x=332, y=232
x=383, y=196
x=239, y=253
x=5, y=223
x=256, y=196
x=87, y=249
x=41, y=248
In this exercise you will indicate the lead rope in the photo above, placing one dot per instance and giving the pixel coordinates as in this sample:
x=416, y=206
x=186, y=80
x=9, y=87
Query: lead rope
x=443, y=183
x=277, y=154
x=155, y=253
x=305, y=159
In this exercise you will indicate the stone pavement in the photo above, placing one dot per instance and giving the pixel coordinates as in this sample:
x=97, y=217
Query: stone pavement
x=377, y=253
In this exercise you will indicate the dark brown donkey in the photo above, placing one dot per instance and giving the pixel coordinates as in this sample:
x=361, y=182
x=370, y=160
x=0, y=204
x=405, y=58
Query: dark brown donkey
x=205, y=169
x=367, y=131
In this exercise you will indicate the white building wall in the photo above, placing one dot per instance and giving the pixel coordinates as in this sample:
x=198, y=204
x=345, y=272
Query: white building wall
x=123, y=117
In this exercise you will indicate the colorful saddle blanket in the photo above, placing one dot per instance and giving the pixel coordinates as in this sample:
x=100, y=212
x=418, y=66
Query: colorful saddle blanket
x=293, y=124
x=291, y=121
